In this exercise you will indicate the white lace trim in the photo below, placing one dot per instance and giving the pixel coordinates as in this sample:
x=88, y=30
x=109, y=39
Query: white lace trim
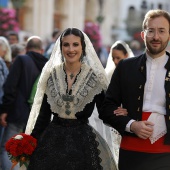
x=159, y=126
x=84, y=89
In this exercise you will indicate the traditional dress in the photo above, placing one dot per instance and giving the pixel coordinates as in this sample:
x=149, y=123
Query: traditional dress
x=66, y=141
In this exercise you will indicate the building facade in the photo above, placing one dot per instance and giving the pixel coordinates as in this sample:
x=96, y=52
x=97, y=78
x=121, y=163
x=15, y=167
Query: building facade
x=118, y=19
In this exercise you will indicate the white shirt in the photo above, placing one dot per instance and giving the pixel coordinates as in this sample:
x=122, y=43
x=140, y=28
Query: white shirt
x=154, y=91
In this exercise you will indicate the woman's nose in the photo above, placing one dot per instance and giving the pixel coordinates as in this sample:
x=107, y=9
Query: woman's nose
x=71, y=48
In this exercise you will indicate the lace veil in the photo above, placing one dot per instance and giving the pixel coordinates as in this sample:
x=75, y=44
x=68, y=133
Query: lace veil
x=90, y=59
x=110, y=66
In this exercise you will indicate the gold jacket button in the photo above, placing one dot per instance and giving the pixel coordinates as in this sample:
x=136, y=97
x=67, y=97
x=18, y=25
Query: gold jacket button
x=140, y=86
x=139, y=98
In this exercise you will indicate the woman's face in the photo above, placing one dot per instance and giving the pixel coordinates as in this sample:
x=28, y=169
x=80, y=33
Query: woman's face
x=118, y=55
x=2, y=51
x=71, y=48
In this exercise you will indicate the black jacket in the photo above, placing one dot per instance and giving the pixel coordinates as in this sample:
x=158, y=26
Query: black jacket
x=18, y=85
x=127, y=88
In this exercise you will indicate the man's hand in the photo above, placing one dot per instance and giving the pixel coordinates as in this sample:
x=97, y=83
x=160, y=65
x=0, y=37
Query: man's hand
x=143, y=129
x=3, y=117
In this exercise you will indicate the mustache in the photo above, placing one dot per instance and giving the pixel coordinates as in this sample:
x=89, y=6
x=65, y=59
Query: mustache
x=155, y=41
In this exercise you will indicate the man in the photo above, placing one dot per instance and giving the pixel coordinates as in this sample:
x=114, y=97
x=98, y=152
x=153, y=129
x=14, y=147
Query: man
x=142, y=86
x=13, y=37
x=15, y=108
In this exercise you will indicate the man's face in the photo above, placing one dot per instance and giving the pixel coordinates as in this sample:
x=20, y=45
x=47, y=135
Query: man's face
x=156, y=36
x=12, y=39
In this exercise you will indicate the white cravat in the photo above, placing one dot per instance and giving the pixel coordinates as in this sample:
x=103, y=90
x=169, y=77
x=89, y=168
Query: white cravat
x=154, y=95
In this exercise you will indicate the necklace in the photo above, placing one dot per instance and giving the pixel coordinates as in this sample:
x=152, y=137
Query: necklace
x=71, y=76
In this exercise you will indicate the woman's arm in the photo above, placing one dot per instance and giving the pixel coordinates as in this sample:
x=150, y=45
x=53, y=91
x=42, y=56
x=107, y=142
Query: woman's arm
x=43, y=120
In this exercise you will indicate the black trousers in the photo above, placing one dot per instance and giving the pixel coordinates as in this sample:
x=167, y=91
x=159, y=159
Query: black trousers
x=131, y=160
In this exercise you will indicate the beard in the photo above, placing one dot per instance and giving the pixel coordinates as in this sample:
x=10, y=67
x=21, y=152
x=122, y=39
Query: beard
x=156, y=51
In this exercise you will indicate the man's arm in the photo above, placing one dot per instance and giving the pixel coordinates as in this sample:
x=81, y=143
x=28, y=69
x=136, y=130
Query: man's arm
x=11, y=86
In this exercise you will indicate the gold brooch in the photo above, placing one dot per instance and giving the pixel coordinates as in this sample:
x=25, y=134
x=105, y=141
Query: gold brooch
x=169, y=74
x=167, y=79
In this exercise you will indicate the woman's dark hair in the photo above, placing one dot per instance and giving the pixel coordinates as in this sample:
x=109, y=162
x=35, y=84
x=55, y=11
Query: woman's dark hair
x=121, y=48
x=76, y=32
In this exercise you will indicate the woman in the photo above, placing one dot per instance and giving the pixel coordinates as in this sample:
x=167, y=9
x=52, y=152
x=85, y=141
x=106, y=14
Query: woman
x=119, y=50
x=72, y=81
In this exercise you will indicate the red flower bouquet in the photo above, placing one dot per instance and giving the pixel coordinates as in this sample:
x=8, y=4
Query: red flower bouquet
x=19, y=148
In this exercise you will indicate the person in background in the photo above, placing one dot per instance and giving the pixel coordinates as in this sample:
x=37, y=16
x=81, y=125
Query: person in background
x=15, y=109
x=142, y=85
x=118, y=51
x=5, y=60
x=71, y=83
x=5, y=54
x=3, y=70
x=50, y=46
x=17, y=49
x=13, y=37
x=136, y=47
x=7, y=57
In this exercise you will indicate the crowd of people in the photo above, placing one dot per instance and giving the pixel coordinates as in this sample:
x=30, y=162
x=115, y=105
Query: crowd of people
x=87, y=116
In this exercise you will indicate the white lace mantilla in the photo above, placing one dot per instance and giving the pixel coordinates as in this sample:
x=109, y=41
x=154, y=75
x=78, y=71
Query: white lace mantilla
x=84, y=89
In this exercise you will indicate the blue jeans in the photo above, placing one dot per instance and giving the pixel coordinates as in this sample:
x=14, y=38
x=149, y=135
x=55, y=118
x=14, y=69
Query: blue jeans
x=9, y=131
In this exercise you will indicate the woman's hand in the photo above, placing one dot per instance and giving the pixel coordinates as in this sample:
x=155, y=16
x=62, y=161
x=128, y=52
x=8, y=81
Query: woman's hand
x=120, y=112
